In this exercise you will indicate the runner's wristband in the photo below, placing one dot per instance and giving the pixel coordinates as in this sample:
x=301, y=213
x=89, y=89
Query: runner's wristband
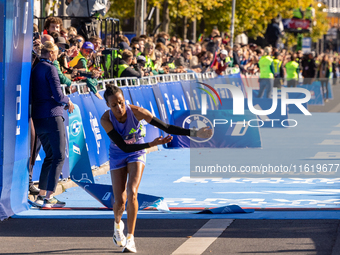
x=119, y=141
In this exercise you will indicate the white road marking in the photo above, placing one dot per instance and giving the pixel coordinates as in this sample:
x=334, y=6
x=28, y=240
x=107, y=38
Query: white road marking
x=204, y=237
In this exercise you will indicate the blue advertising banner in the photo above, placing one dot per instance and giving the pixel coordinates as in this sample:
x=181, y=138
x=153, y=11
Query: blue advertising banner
x=103, y=193
x=90, y=141
x=235, y=79
x=94, y=131
x=173, y=97
x=15, y=57
x=101, y=107
x=271, y=120
x=148, y=102
x=127, y=96
x=229, y=131
x=80, y=168
x=160, y=103
x=192, y=94
x=316, y=93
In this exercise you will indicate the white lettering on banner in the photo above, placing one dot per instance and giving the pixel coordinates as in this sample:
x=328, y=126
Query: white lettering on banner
x=197, y=100
x=327, y=155
x=95, y=130
x=18, y=109
x=106, y=196
x=176, y=103
x=24, y=27
x=168, y=102
x=204, y=104
x=76, y=149
x=163, y=113
x=238, y=100
x=185, y=105
x=191, y=100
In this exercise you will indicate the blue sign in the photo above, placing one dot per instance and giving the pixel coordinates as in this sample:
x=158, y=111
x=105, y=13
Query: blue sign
x=80, y=168
x=15, y=65
x=94, y=131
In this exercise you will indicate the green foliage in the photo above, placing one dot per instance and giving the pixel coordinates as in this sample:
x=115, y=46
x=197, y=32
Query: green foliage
x=252, y=16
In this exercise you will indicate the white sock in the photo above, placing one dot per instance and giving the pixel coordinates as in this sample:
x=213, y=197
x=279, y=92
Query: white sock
x=117, y=225
x=129, y=236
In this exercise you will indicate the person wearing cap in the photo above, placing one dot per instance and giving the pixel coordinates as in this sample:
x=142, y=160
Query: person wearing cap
x=220, y=64
x=80, y=63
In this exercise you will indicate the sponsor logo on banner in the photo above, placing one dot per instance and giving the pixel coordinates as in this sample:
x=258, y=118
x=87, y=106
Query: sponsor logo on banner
x=75, y=127
x=95, y=130
x=197, y=122
x=76, y=149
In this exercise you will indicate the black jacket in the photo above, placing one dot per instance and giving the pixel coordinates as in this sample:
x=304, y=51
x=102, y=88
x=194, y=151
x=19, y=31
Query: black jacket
x=308, y=68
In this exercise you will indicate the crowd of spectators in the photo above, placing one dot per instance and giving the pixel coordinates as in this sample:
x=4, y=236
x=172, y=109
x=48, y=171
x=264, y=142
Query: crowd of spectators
x=164, y=54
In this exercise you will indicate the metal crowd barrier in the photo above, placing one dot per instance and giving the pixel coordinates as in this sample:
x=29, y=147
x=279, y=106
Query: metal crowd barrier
x=149, y=80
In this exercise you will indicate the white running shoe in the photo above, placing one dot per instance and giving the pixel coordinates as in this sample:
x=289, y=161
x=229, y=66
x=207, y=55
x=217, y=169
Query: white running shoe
x=119, y=238
x=130, y=245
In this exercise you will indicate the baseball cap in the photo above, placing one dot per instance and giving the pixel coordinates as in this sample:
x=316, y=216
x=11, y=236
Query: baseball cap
x=124, y=46
x=141, y=59
x=88, y=45
x=224, y=52
x=61, y=40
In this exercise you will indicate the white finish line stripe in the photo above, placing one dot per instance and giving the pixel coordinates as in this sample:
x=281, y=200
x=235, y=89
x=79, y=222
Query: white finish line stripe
x=204, y=237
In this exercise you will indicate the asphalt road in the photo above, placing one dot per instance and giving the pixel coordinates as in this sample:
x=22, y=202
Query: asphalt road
x=89, y=236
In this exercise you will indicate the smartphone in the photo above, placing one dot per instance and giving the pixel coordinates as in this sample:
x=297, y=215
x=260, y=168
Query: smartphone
x=36, y=36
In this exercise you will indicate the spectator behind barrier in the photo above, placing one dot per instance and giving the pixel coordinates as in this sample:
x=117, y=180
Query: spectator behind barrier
x=124, y=69
x=80, y=63
x=48, y=103
x=52, y=24
x=266, y=73
x=149, y=55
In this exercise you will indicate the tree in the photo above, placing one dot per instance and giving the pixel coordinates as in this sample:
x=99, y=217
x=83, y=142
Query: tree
x=252, y=16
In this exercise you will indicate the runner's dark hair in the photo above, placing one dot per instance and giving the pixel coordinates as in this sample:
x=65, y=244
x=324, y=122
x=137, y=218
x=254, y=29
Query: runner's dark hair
x=111, y=90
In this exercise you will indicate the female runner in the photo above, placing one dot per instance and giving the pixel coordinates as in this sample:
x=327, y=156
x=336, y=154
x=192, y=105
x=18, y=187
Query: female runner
x=127, y=153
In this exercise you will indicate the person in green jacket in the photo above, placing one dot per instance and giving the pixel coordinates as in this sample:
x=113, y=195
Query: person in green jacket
x=292, y=70
x=267, y=72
